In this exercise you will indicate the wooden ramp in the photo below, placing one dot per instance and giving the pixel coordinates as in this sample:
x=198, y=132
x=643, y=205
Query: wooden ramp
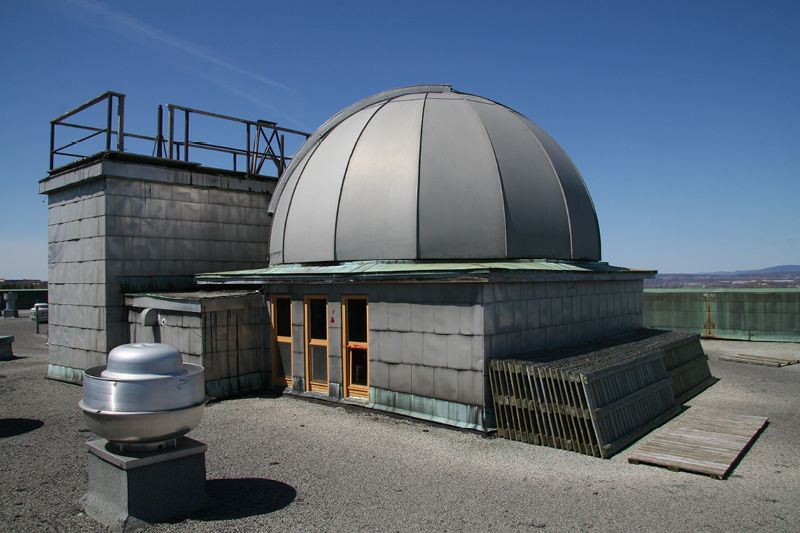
x=709, y=444
x=758, y=360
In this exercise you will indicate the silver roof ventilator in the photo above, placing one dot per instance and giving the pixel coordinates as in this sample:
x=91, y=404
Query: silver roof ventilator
x=144, y=398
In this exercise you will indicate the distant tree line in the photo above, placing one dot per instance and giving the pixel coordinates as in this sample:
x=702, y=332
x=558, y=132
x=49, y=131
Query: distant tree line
x=22, y=284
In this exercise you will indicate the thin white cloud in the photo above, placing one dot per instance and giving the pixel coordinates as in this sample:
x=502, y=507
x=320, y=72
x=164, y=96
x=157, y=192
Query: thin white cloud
x=138, y=29
x=253, y=99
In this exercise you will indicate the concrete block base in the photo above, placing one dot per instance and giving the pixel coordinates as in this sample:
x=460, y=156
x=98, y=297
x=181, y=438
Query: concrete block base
x=6, y=349
x=129, y=490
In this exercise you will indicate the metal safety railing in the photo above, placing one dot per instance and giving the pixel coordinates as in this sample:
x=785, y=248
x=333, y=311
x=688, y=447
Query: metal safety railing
x=263, y=140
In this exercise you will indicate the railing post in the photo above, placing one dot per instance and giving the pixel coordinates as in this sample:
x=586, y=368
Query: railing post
x=247, y=149
x=52, y=142
x=121, y=122
x=171, y=128
x=108, y=124
x=283, y=155
x=160, y=132
x=186, y=136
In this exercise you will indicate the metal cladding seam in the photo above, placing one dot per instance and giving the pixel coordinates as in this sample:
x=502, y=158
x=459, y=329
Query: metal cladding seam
x=378, y=198
x=308, y=235
x=461, y=212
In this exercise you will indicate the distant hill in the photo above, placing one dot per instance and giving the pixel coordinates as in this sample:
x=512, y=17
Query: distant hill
x=785, y=276
x=780, y=269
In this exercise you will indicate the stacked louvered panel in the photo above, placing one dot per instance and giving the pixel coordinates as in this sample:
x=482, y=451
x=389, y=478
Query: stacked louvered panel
x=594, y=402
x=687, y=364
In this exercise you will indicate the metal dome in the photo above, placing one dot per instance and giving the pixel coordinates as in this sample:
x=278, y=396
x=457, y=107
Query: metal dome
x=428, y=173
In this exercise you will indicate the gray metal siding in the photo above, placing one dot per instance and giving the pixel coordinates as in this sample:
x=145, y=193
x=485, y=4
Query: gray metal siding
x=583, y=220
x=461, y=210
x=311, y=220
x=536, y=221
x=377, y=210
x=282, y=210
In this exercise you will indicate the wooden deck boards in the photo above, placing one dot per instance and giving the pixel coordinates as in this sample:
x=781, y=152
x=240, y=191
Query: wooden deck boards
x=709, y=444
x=758, y=360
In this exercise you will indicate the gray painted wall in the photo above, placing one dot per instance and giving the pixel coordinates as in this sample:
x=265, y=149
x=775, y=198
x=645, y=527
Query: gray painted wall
x=232, y=345
x=114, y=219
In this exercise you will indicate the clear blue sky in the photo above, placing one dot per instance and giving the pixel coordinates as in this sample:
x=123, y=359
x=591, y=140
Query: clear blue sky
x=683, y=117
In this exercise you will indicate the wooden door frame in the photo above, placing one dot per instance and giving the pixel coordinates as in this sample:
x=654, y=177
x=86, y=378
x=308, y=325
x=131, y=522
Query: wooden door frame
x=350, y=390
x=285, y=381
x=308, y=341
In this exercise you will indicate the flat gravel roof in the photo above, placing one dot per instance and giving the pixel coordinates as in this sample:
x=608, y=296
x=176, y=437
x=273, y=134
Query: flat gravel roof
x=278, y=463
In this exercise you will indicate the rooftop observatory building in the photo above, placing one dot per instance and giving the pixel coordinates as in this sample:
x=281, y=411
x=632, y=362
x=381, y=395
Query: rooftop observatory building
x=418, y=234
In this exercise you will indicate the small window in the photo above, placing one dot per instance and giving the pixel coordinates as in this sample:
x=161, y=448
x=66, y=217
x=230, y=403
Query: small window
x=318, y=325
x=357, y=320
x=283, y=312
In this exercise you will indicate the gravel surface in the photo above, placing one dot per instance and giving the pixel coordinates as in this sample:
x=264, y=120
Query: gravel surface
x=287, y=464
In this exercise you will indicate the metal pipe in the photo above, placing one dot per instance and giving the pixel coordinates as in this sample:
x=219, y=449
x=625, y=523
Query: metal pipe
x=186, y=136
x=73, y=143
x=273, y=125
x=79, y=126
x=103, y=130
x=256, y=150
x=108, y=125
x=85, y=105
x=160, y=132
x=247, y=149
x=283, y=156
x=171, y=118
x=121, y=123
x=52, y=142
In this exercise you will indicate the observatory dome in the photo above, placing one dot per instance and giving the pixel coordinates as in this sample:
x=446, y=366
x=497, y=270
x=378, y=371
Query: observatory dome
x=429, y=173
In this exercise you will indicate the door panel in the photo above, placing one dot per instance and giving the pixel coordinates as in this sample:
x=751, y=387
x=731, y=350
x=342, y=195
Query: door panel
x=281, y=341
x=316, y=344
x=356, y=347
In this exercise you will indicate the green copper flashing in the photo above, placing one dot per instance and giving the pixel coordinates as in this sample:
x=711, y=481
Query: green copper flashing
x=409, y=269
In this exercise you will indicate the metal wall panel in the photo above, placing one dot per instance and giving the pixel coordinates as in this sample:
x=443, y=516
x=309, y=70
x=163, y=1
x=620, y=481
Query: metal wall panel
x=461, y=213
x=378, y=207
x=344, y=114
x=582, y=217
x=311, y=220
x=536, y=214
x=282, y=210
x=742, y=314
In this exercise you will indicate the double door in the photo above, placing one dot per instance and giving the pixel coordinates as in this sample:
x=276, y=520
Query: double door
x=355, y=344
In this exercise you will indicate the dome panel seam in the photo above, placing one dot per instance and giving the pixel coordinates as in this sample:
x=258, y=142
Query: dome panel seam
x=499, y=174
x=558, y=180
x=346, y=168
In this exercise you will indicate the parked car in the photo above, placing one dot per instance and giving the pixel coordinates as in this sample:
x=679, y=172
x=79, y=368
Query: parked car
x=41, y=310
